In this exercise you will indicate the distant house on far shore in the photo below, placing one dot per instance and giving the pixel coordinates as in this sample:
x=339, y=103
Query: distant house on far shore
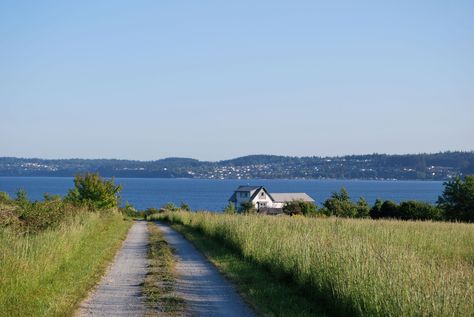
x=262, y=199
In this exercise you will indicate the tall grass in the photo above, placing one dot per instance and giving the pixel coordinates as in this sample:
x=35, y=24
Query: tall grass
x=357, y=267
x=48, y=273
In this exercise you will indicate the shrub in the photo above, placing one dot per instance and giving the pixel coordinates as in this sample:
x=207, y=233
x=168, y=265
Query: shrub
x=184, y=207
x=150, y=211
x=5, y=198
x=130, y=211
x=93, y=191
x=248, y=208
x=457, y=199
x=170, y=207
x=230, y=209
x=300, y=207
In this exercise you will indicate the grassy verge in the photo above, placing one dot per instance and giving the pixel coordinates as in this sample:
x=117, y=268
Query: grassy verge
x=267, y=296
x=48, y=273
x=356, y=267
x=159, y=283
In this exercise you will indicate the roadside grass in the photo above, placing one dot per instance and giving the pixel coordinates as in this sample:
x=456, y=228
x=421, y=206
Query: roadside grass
x=355, y=267
x=50, y=272
x=267, y=296
x=159, y=284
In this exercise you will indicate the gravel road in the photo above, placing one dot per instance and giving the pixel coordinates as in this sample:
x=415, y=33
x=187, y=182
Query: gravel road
x=119, y=292
x=199, y=283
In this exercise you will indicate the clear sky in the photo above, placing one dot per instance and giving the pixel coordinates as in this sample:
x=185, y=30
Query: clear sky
x=219, y=79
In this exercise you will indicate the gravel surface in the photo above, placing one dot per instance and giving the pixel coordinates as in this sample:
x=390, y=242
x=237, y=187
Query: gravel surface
x=119, y=292
x=205, y=291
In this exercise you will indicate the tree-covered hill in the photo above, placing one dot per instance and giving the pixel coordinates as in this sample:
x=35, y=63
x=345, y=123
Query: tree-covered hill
x=437, y=166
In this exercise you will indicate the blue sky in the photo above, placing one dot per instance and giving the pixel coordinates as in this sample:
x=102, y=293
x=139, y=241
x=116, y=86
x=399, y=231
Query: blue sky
x=215, y=80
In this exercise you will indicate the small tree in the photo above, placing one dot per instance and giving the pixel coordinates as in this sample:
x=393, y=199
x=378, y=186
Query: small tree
x=248, y=208
x=457, y=199
x=93, y=191
x=230, y=209
x=185, y=207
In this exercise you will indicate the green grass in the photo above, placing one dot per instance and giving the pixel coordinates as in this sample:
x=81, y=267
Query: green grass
x=354, y=267
x=268, y=297
x=160, y=282
x=48, y=273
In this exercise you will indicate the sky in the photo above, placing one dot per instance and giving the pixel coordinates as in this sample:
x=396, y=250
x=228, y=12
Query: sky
x=214, y=80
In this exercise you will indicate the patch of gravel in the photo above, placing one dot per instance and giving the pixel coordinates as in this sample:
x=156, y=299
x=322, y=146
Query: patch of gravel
x=205, y=291
x=119, y=292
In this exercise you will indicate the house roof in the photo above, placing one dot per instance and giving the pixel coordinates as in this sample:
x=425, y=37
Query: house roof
x=284, y=197
x=247, y=188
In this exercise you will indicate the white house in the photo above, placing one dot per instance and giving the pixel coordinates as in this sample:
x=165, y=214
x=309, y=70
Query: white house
x=261, y=198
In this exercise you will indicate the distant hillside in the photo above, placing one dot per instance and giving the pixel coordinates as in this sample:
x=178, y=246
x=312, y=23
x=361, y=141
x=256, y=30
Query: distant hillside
x=438, y=166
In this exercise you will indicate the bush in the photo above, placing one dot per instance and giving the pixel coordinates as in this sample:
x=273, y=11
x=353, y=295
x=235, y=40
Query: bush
x=184, y=207
x=130, y=211
x=230, y=209
x=5, y=198
x=170, y=207
x=457, y=199
x=150, y=211
x=93, y=191
x=300, y=207
x=248, y=208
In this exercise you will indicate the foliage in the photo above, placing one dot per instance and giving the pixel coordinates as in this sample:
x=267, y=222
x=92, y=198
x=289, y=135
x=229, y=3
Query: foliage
x=457, y=199
x=407, y=210
x=340, y=205
x=5, y=198
x=358, y=267
x=170, y=207
x=300, y=207
x=95, y=192
x=130, y=211
x=230, y=209
x=184, y=206
x=247, y=207
x=150, y=211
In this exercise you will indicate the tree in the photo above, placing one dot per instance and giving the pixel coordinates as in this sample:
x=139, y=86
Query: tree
x=95, y=192
x=419, y=210
x=300, y=207
x=185, y=207
x=248, y=208
x=375, y=210
x=457, y=199
x=341, y=205
x=389, y=209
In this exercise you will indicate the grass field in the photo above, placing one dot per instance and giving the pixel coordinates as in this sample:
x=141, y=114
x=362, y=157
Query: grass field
x=356, y=267
x=48, y=273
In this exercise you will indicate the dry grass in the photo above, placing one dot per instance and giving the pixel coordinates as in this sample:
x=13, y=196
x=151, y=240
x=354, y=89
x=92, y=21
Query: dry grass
x=357, y=267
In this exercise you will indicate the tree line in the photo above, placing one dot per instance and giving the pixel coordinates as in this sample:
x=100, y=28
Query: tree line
x=456, y=203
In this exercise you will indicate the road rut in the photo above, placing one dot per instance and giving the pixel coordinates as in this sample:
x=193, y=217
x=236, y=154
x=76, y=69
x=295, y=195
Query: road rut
x=205, y=291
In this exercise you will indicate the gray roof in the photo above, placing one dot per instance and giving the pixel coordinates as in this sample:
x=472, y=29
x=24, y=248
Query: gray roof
x=284, y=197
x=247, y=188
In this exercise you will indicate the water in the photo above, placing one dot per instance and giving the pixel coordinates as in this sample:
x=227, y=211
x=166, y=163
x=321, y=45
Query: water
x=204, y=194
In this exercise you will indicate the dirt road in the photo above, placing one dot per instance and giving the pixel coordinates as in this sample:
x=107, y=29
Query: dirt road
x=203, y=288
x=119, y=292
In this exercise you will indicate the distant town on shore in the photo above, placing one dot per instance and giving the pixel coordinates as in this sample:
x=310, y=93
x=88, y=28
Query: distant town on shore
x=437, y=166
